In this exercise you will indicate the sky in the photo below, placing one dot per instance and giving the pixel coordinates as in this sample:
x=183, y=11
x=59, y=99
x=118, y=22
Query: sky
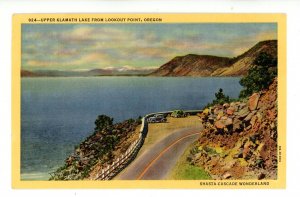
x=80, y=47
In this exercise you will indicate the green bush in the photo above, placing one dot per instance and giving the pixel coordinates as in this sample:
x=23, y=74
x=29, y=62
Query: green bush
x=259, y=76
x=103, y=122
x=221, y=98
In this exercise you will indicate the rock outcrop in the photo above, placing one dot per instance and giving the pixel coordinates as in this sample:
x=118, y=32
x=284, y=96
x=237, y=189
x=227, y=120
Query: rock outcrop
x=240, y=138
x=205, y=65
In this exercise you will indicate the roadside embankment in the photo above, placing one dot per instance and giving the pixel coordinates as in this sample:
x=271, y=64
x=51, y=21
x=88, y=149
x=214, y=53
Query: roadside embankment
x=239, y=140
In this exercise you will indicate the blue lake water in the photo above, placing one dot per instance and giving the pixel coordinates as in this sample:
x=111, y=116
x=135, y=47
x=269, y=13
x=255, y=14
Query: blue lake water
x=59, y=113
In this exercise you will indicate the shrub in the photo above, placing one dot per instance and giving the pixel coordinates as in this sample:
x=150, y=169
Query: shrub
x=103, y=122
x=221, y=98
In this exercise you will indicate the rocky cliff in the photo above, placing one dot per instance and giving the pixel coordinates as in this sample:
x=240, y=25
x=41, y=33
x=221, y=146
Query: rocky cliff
x=205, y=65
x=240, y=138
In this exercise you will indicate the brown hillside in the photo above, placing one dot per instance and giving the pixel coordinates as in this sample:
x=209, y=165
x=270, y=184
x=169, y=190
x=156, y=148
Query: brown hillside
x=242, y=63
x=205, y=65
x=192, y=65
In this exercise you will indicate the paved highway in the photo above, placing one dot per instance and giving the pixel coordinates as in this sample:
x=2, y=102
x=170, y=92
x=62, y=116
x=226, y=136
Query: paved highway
x=160, y=158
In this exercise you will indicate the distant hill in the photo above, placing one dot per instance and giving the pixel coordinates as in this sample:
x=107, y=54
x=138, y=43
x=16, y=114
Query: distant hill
x=123, y=71
x=26, y=73
x=48, y=73
x=205, y=65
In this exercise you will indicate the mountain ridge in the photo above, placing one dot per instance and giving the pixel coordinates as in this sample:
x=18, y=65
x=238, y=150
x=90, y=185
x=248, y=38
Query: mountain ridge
x=209, y=65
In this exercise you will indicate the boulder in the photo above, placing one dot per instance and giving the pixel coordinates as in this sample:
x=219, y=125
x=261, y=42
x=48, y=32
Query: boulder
x=216, y=110
x=253, y=100
x=242, y=105
x=253, y=120
x=227, y=175
x=228, y=165
x=228, y=122
x=259, y=117
x=226, y=105
x=237, y=125
x=248, y=117
x=220, y=115
x=224, y=118
x=230, y=110
x=219, y=124
x=243, y=112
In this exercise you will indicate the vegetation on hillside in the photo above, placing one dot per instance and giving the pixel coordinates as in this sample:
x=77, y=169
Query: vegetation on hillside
x=220, y=98
x=260, y=75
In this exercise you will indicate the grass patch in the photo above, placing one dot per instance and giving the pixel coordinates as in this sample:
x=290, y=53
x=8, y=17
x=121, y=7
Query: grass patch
x=183, y=170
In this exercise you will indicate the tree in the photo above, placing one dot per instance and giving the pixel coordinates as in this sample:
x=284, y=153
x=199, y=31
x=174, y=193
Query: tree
x=260, y=75
x=103, y=122
x=220, y=97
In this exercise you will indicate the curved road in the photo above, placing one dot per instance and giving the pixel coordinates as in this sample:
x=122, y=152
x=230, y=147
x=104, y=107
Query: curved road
x=156, y=163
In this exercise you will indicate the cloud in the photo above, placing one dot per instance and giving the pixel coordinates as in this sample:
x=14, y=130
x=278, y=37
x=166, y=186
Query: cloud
x=62, y=52
x=92, y=35
x=91, y=58
x=104, y=46
x=268, y=35
x=37, y=63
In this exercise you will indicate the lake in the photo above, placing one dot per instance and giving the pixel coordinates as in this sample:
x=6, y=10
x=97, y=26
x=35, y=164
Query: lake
x=59, y=113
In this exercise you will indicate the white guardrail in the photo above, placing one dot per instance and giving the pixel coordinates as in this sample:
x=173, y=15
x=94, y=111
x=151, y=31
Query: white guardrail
x=121, y=162
x=111, y=170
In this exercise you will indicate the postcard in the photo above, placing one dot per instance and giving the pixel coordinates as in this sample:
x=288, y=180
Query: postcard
x=149, y=101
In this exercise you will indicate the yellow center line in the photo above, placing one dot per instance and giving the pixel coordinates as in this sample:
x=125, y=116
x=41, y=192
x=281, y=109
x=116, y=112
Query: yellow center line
x=162, y=152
